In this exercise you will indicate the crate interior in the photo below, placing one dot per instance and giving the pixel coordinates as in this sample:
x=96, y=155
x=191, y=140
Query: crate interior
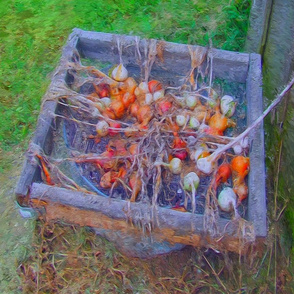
x=70, y=138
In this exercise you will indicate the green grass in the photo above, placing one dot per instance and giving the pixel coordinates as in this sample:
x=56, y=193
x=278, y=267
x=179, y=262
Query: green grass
x=33, y=31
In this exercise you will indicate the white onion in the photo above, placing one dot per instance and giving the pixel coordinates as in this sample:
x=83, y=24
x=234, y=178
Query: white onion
x=95, y=112
x=148, y=98
x=175, y=166
x=180, y=100
x=158, y=94
x=213, y=98
x=228, y=105
x=106, y=101
x=244, y=142
x=194, y=123
x=120, y=73
x=227, y=199
x=191, y=183
x=237, y=149
x=191, y=101
x=102, y=128
x=191, y=179
x=143, y=86
x=180, y=120
x=205, y=165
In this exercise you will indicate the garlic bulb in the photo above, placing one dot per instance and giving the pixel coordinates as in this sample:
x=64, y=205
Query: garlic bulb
x=120, y=73
x=228, y=105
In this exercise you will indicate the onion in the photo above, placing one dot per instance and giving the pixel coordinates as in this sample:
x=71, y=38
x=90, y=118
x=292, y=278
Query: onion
x=181, y=120
x=164, y=106
x=115, y=125
x=191, y=183
x=227, y=199
x=144, y=114
x=180, y=100
x=228, y=105
x=143, y=87
x=120, y=73
x=118, y=108
x=240, y=165
x=175, y=165
x=191, y=180
x=148, y=98
x=128, y=99
x=244, y=142
x=129, y=85
x=191, y=101
x=194, y=123
x=106, y=101
x=158, y=94
x=134, y=108
x=102, y=128
x=154, y=86
x=237, y=149
x=205, y=165
x=212, y=102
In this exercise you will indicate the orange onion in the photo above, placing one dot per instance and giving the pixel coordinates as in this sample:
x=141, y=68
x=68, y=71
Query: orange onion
x=154, y=86
x=102, y=89
x=134, y=108
x=144, y=114
x=136, y=185
x=164, y=106
x=114, y=125
x=128, y=99
x=223, y=174
x=240, y=165
x=129, y=85
x=118, y=108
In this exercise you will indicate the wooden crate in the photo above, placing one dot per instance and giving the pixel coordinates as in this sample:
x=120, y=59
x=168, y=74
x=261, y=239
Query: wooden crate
x=144, y=227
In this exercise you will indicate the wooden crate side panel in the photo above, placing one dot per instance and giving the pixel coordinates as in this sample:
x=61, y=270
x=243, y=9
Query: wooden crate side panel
x=226, y=65
x=256, y=181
